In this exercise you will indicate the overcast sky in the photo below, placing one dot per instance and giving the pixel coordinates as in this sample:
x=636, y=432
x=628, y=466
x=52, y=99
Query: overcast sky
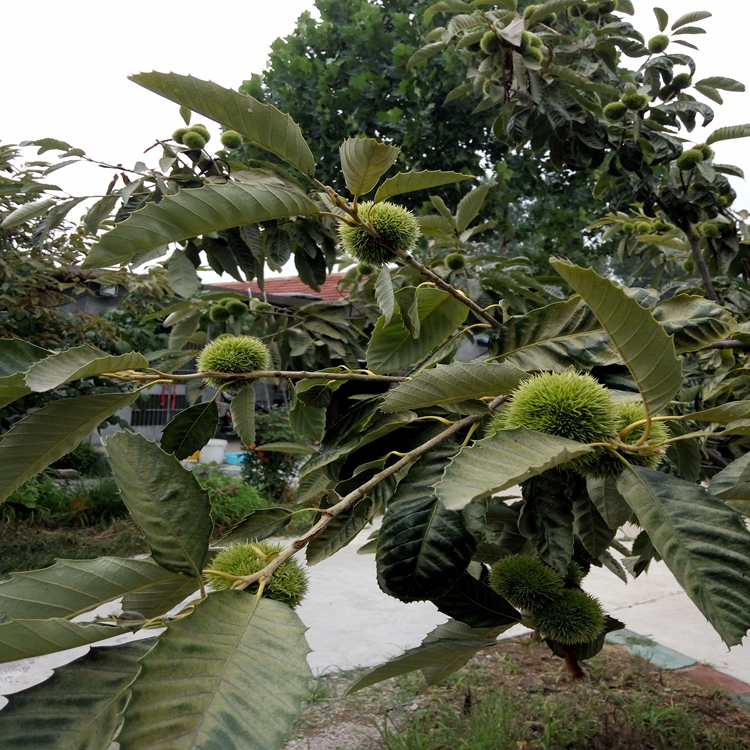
x=67, y=64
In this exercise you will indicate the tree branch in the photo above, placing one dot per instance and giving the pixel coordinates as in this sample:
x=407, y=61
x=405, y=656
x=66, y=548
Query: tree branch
x=700, y=263
x=730, y=344
x=284, y=374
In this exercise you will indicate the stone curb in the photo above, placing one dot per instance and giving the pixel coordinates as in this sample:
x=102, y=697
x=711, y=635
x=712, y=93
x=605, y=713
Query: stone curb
x=703, y=675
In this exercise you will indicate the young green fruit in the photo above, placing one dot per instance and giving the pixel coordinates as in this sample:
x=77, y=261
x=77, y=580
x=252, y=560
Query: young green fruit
x=682, y=81
x=455, y=261
x=526, y=582
x=658, y=44
x=643, y=227
x=574, y=617
x=193, y=140
x=689, y=159
x=236, y=355
x=567, y=404
x=202, y=130
x=635, y=101
x=231, y=139
x=179, y=134
x=608, y=7
x=615, y=111
x=397, y=230
x=236, y=307
x=490, y=43
x=219, y=314
x=711, y=230
x=707, y=151
x=535, y=54
x=365, y=269
x=263, y=307
x=288, y=584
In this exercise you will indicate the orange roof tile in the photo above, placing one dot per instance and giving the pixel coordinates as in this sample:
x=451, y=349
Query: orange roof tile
x=289, y=285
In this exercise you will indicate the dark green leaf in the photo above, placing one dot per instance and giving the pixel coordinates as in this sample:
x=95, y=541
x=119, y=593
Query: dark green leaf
x=662, y=18
x=190, y=430
x=589, y=526
x=408, y=182
x=259, y=525
x=612, y=506
x=182, y=275
x=729, y=133
x=364, y=161
x=696, y=15
x=474, y=603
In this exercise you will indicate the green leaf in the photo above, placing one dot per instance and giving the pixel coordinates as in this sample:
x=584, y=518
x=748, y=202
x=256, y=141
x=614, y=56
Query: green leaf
x=22, y=639
x=190, y=430
x=392, y=347
x=696, y=15
x=263, y=124
x=611, y=505
x=343, y=529
x=545, y=9
x=469, y=207
x=729, y=133
x=685, y=454
x=694, y=322
x=259, y=525
x=195, y=212
x=238, y=644
x=364, y=161
x=243, y=416
x=183, y=277
x=501, y=460
x=51, y=432
x=409, y=182
x=662, y=18
x=166, y=501
x=425, y=53
x=474, y=603
x=732, y=483
x=72, y=587
x=159, y=598
x=724, y=414
x=384, y=295
x=590, y=527
x=448, y=6
x=99, y=212
x=18, y=356
x=307, y=421
x=78, y=707
x=298, y=449
x=12, y=388
x=703, y=542
x=422, y=547
x=447, y=643
x=643, y=344
x=449, y=384
x=79, y=362
x=26, y=212
x=710, y=93
x=723, y=83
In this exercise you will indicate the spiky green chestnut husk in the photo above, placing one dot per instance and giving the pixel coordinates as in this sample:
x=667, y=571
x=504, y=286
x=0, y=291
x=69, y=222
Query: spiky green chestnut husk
x=643, y=227
x=237, y=355
x=689, y=159
x=682, y=81
x=490, y=43
x=231, y=139
x=193, y=140
x=179, y=134
x=608, y=465
x=202, y=130
x=568, y=405
x=608, y=7
x=575, y=573
x=658, y=44
x=707, y=151
x=529, y=10
x=219, y=314
x=711, y=230
x=396, y=225
x=635, y=101
x=615, y=111
x=365, y=269
x=236, y=307
x=525, y=42
x=263, y=307
x=526, y=582
x=535, y=54
x=535, y=41
x=288, y=584
x=574, y=617
x=455, y=261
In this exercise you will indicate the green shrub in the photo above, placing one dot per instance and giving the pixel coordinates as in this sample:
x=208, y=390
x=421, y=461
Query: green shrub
x=41, y=498
x=231, y=497
x=85, y=459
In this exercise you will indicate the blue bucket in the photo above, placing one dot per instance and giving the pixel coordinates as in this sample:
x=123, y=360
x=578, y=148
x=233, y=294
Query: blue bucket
x=233, y=459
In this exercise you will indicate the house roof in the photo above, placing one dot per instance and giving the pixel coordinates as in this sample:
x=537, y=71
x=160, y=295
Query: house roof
x=290, y=286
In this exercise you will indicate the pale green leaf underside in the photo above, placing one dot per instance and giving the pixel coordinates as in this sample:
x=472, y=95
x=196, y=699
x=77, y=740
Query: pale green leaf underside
x=263, y=124
x=79, y=362
x=703, y=542
x=196, y=684
x=195, y=212
x=733, y=482
x=364, y=161
x=725, y=413
x=26, y=212
x=384, y=294
x=501, y=460
x=243, y=416
x=729, y=133
x=78, y=707
x=645, y=347
x=459, y=381
x=408, y=182
x=47, y=434
x=13, y=387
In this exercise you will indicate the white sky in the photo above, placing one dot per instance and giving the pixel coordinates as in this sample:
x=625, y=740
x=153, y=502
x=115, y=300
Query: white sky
x=67, y=64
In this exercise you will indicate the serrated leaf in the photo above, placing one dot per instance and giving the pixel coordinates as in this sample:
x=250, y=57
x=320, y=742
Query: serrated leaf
x=729, y=133
x=23, y=639
x=474, y=603
x=732, y=483
x=182, y=275
x=243, y=416
x=392, y=347
x=195, y=212
x=384, y=294
x=710, y=93
x=18, y=356
x=724, y=414
x=237, y=644
x=78, y=707
x=611, y=505
x=364, y=161
x=696, y=15
x=644, y=346
x=422, y=547
x=448, y=384
x=590, y=527
x=662, y=18
x=340, y=531
x=51, y=432
x=79, y=362
x=694, y=322
x=703, y=542
x=448, y=6
x=469, y=206
x=190, y=430
x=425, y=53
x=99, y=211
x=409, y=182
x=546, y=9
x=26, y=212
x=501, y=460
x=259, y=525
x=281, y=446
x=166, y=501
x=159, y=598
x=729, y=169
x=263, y=124
x=72, y=587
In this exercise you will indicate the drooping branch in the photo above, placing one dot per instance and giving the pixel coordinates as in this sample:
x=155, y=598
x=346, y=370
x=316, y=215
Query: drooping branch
x=258, y=375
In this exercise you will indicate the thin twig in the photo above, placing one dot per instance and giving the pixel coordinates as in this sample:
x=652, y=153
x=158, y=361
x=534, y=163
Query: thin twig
x=730, y=344
x=284, y=374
